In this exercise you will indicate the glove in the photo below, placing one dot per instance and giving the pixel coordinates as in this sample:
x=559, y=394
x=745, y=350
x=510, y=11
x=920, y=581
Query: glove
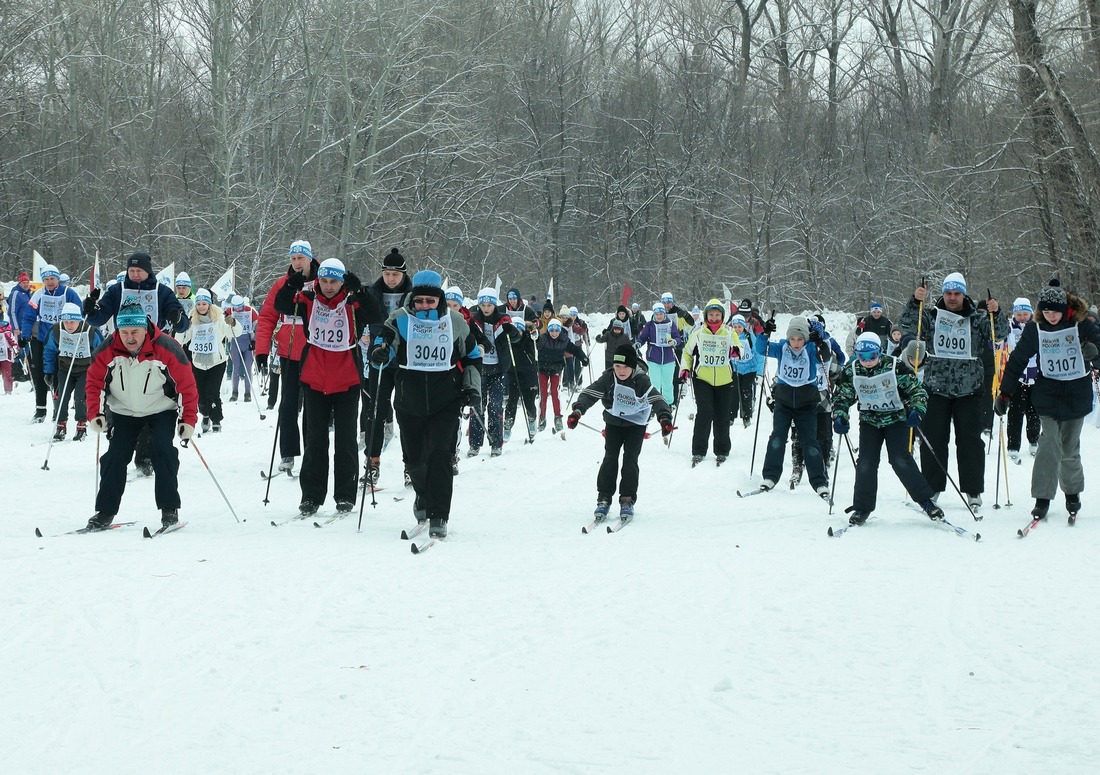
x=174, y=317
x=840, y=424
x=600, y=338
x=735, y=353
x=685, y=375
x=185, y=431
x=573, y=419
x=261, y=361
x=352, y=283
x=817, y=327
x=914, y=418
x=471, y=397
x=380, y=354
x=90, y=302
x=24, y=341
x=251, y=345
x=1089, y=351
x=583, y=359
x=769, y=327
x=1000, y=406
x=815, y=337
x=667, y=427
x=98, y=423
x=297, y=281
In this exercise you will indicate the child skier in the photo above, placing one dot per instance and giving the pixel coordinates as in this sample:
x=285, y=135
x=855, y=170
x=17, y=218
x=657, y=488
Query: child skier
x=628, y=398
x=552, y=350
x=745, y=369
x=69, y=348
x=207, y=341
x=708, y=353
x=891, y=401
x=614, y=336
x=1021, y=407
x=662, y=336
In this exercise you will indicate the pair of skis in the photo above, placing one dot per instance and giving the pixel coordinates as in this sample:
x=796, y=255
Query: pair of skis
x=115, y=526
x=613, y=527
x=959, y=531
x=1034, y=523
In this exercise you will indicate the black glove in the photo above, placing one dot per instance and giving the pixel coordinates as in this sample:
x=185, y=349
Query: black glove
x=573, y=419
x=914, y=418
x=1000, y=406
x=379, y=354
x=174, y=317
x=352, y=283
x=769, y=326
x=24, y=341
x=261, y=361
x=815, y=337
x=666, y=426
x=471, y=397
x=251, y=345
x=583, y=359
x=90, y=301
x=600, y=338
x=297, y=280
x=1089, y=351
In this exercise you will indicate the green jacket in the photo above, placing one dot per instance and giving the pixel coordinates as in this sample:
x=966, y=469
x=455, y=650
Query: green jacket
x=912, y=392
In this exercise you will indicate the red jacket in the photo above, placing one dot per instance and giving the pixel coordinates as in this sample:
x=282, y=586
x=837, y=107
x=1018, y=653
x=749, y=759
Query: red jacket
x=270, y=317
x=155, y=380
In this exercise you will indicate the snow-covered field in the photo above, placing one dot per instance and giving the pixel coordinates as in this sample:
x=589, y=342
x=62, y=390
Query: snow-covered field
x=713, y=635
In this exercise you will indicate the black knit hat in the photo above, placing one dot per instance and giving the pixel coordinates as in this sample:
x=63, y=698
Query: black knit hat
x=548, y=305
x=626, y=355
x=394, y=261
x=1053, y=297
x=140, y=260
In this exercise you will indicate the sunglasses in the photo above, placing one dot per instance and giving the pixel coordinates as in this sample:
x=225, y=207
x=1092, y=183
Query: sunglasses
x=429, y=300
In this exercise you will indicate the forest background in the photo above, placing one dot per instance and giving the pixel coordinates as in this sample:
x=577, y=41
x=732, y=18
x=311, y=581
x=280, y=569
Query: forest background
x=811, y=151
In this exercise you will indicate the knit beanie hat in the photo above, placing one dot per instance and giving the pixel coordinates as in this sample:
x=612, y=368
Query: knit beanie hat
x=954, y=282
x=875, y=305
x=49, y=270
x=332, y=269
x=23, y=277
x=301, y=247
x=799, y=327
x=745, y=305
x=715, y=304
x=914, y=353
x=131, y=316
x=868, y=346
x=1053, y=297
x=553, y=325
x=616, y=323
x=548, y=305
x=71, y=312
x=454, y=293
x=183, y=279
x=141, y=261
x=203, y=295
x=739, y=320
x=488, y=296
x=394, y=261
x=658, y=309
x=635, y=307
x=626, y=355
x=1022, y=305
x=65, y=279
x=668, y=298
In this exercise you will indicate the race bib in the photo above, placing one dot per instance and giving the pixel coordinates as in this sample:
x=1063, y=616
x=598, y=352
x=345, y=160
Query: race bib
x=147, y=300
x=74, y=345
x=49, y=308
x=663, y=334
x=203, y=339
x=794, y=367
x=5, y=349
x=188, y=305
x=429, y=344
x=878, y=393
x=244, y=317
x=1060, y=355
x=391, y=301
x=714, y=350
x=489, y=358
x=627, y=405
x=951, y=336
x=328, y=328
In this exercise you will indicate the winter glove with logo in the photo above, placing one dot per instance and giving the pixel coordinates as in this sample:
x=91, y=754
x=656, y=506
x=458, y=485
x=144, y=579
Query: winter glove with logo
x=185, y=431
x=667, y=427
x=573, y=419
x=914, y=418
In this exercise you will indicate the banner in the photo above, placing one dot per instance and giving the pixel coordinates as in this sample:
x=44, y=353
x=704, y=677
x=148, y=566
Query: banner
x=550, y=293
x=167, y=276
x=496, y=288
x=37, y=265
x=223, y=287
x=627, y=293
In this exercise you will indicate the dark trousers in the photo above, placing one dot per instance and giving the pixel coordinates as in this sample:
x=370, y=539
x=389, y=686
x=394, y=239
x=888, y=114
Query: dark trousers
x=492, y=412
x=1018, y=410
x=272, y=383
x=342, y=408
x=428, y=448
x=744, y=396
x=712, y=413
x=824, y=439
x=965, y=413
x=163, y=453
x=73, y=387
x=525, y=383
x=290, y=441
x=381, y=384
x=209, y=383
x=896, y=438
x=41, y=390
x=572, y=375
x=805, y=425
x=628, y=439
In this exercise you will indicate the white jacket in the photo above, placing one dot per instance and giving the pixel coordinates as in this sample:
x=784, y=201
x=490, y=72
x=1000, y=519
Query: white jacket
x=223, y=333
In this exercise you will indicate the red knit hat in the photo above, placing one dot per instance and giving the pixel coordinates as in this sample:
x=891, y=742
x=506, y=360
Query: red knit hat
x=23, y=277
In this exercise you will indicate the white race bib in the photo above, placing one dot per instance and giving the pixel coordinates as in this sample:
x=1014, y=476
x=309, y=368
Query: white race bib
x=244, y=317
x=147, y=300
x=951, y=336
x=328, y=328
x=663, y=334
x=1060, y=355
x=878, y=393
x=794, y=367
x=627, y=405
x=429, y=344
x=203, y=339
x=76, y=345
x=489, y=358
x=5, y=349
x=391, y=301
x=49, y=308
x=714, y=350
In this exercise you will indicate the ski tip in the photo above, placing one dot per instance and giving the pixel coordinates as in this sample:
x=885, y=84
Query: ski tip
x=830, y=533
x=404, y=535
x=145, y=533
x=977, y=537
x=274, y=524
x=415, y=548
x=1020, y=533
x=37, y=533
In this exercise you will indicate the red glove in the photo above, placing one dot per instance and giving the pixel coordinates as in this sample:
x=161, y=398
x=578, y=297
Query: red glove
x=735, y=354
x=573, y=419
x=667, y=428
x=685, y=375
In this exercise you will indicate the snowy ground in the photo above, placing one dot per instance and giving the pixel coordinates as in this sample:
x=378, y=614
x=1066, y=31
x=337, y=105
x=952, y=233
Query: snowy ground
x=712, y=635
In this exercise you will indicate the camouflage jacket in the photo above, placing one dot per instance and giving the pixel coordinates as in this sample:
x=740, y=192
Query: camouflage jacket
x=947, y=376
x=912, y=392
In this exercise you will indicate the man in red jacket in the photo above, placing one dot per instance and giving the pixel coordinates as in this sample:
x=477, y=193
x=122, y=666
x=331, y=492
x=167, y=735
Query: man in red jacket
x=146, y=377
x=289, y=335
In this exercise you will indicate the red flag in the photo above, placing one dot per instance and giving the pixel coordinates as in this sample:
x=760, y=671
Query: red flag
x=627, y=293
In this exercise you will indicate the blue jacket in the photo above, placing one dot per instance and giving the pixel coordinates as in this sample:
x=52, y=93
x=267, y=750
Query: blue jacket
x=30, y=311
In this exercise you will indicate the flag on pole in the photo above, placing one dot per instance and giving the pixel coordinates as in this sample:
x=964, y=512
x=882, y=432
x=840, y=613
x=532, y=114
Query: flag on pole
x=167, y=276
x=37, y=265
x=627, y=293
x=729, y=299
x=496, y=288
x=550, y=293
x=223, y=287
x=96, y=278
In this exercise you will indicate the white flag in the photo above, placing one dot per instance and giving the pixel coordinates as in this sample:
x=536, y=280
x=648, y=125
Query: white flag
x=37, y=265
x=224, y=285
x=550, y=293
x=496, y=288
x=726, y=293
x=167, y=276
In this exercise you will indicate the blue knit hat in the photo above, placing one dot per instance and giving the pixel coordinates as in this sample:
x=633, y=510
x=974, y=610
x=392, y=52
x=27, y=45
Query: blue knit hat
x=131, y=316
x=954, y=282
x=427, y=278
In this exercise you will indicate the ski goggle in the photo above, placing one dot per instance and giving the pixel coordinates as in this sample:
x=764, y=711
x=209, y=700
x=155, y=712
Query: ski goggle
x=868, y=354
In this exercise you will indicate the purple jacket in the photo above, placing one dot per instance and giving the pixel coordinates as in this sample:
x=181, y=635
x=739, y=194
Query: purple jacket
x=655, y=353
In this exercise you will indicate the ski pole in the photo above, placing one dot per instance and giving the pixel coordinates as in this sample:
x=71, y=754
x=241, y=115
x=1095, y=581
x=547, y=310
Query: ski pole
x=247, y=374
x=926, y=445
x=195, y=447
x=760, y=402
x=278, y=410
x=920, y=322
x=836, y=468
x=997, y=479
x=1004, y=462
x=370, y=442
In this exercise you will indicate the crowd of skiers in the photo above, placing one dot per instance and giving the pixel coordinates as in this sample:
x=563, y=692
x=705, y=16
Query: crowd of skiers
x=143, y=362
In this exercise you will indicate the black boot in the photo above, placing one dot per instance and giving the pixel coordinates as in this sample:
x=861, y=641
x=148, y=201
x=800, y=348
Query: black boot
x=1042, y=506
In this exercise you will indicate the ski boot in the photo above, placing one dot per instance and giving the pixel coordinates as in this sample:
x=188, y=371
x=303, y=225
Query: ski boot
x=767, y=485
x=719, y=459
x=1042, y=506
x=558, y=424
x=248, y=398
x=626, y=509
x=473, y=451
x=496, y=452
x=975, y=502
x=344, y=507
x=437, y=528
x=933, y=511
x=408, y=479
x=696, y=460
x=856, y=517
x=823, y=492
x=307, y=508
x=233, y=396
x=419, y=512
x=370, y=474
x=206, y=425
x=169, y=517
x=100, y=521
x=286, y=465
x=531, y=430
x=39, y=414
x=59, y=432
x=542, y=422
x=1073, y=505
x=81, y=432
x=216, y=428
x=603, y=506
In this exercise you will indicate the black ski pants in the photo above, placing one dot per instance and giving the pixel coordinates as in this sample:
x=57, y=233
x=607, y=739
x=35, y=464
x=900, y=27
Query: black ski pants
x=163, y=454
x=428, y=448
x=209, y=384
x=629, y=440
x=342, y=408
x=290, y=440
x=712, y=415
x=965, y=414
x=896, y=438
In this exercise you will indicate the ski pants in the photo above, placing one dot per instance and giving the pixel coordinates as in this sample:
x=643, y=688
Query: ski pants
x=549, y=384
x=73, y=388
x=209, y=383
x=240, y=352
x=896, y=438
x=629, y=440
x=805, y=425
x=744, y=396
x=342, y=408
x=663, y=377
x=428, y=447
x=1058, y=459
x=163, y=454
x=824, y=439
x=290, y=440
x=38, y=349
x=712, y=414
x=519, y=383
x=965, y=414
x=492, y=412
x=1018, y=411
